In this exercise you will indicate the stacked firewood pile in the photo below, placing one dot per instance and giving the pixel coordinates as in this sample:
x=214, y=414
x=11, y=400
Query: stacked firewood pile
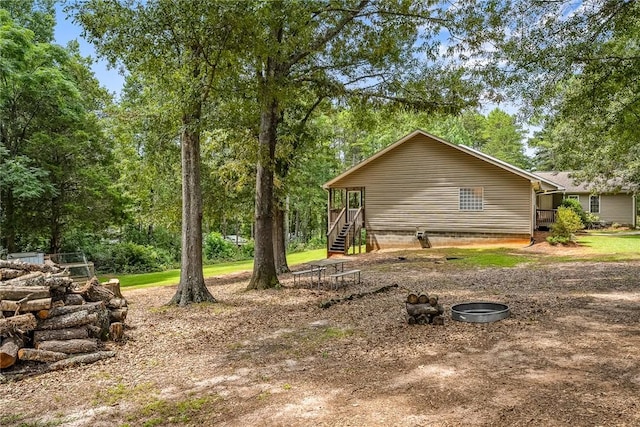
x=424, y=309
x=45, y=318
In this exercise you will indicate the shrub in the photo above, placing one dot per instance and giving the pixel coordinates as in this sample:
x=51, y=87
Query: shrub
x=247, y=250
x=575, y=206
x=127, y=257
x=591, y=220
x=217, y=247
x=567, y=223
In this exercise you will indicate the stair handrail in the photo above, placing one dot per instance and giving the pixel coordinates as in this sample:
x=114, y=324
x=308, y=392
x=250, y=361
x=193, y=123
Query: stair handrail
x=354, y=227
x=337, y=225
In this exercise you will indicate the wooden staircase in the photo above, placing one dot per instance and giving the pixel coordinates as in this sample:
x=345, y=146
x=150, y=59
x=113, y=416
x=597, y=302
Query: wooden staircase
x=338, y=245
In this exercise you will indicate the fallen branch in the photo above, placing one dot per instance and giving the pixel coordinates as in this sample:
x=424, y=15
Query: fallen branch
x=327, y=304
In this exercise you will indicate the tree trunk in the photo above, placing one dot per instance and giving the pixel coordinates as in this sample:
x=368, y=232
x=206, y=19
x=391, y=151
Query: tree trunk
x=264, y=268
x=191, y=288
x=279, y=240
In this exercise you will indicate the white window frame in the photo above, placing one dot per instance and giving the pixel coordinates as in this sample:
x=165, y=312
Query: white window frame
x=573, y=197
x=471, y=199
x=590, y=205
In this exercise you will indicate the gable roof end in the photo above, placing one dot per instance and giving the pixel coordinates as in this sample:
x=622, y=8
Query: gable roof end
x=540, y=183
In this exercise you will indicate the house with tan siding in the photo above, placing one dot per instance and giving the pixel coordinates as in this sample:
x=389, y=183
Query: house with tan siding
x=425, y=191
x=610, y=207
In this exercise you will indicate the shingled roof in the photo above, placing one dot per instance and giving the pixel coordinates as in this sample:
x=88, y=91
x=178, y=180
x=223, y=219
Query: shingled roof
x=566, y=180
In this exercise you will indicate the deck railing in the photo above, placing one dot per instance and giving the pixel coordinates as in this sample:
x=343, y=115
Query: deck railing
x=354, y=239
x=338, y=220
x=546, y=217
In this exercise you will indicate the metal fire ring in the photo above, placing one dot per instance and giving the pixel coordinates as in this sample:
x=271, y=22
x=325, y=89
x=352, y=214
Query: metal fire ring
x=479, y=312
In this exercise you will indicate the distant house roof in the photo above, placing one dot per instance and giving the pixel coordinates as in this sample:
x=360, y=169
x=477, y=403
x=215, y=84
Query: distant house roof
x=543, y=183
x=566, y=180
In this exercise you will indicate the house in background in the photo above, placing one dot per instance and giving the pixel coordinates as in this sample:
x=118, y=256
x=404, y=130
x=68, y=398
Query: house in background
x=611, y=208
x=424, y=191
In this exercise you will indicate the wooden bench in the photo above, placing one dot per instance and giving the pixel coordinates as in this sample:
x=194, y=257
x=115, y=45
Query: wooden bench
x=341, y=275
x=312, y=273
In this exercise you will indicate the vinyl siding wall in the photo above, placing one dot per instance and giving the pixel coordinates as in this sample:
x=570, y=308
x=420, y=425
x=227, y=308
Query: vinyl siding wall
x=616, y=208
x=416, y=187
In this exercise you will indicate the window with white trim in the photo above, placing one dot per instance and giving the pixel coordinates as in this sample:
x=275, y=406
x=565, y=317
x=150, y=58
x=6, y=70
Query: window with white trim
x=594, y=204
x=573, y=197
x=471, y=199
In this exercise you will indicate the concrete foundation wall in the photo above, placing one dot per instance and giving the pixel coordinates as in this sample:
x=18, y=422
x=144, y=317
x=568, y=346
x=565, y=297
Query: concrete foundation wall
x=397, y=239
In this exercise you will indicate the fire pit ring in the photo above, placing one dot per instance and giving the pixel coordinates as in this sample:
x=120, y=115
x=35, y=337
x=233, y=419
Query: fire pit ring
x=479, y=312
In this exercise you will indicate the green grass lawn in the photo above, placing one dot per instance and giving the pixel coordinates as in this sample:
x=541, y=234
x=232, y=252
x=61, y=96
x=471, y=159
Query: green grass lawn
x=172, y=277
x=611, y=247
x=623, y=246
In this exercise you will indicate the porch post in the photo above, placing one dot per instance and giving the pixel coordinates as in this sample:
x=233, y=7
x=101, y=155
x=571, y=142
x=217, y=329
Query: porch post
x=329, y=200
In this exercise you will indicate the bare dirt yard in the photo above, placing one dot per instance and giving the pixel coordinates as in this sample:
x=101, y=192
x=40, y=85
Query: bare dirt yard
x=569, y=354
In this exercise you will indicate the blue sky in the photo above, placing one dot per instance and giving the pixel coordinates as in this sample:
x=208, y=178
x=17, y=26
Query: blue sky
x=66, y=31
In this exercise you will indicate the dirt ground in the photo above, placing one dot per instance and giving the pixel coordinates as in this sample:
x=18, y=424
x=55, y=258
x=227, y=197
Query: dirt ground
x=569, y=354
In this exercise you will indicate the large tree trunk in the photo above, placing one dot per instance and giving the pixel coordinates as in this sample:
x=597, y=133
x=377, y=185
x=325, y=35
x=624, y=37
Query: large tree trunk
x=279, y=239
x=264, y=269
x=191, y=288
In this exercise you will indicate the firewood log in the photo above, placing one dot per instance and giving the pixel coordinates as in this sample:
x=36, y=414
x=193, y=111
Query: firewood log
x=73, y=299
x=23, y=306
x=101, y=321
x=421, y=309
x=36, y=355
x=61, y=334
x=433, y=300
x=70, y=320
x=25, y=266
x=114, y=286
x=117, y=303
x=412, y=298
x=91, y=307
x=116, y=331
x=32, y=279
x=438, y=320
x=73, y=346
x=83, y=359
x=9, y=351
x=423, y=298
x=411, y=320
x=20, y=323
x=10, y=273
x=94, y=291
x=60, y=284
x=8, y=292
x=118, y=314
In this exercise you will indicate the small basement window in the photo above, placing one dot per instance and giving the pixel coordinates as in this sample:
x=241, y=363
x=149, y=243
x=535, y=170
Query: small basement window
x=594, y=204
x=471, y=199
